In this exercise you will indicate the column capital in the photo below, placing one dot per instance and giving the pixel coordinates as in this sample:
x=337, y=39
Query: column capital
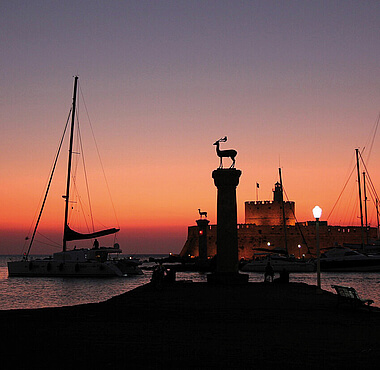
x=226, y=177
x=202, y=222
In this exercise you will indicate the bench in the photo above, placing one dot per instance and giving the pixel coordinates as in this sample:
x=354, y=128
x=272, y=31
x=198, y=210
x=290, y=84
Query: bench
x=350, y=295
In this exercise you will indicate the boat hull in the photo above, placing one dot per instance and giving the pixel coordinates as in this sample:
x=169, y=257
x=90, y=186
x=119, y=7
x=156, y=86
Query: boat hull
x=51, y=268
x=129, y=267
x=279, y=266
x=351, y=266
x=343, y=259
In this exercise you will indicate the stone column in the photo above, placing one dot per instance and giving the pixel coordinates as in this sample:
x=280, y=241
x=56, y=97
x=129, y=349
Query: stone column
x=202, y=238
x=226, y=181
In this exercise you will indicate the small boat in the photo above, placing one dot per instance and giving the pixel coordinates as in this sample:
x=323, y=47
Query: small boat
x=279, y=263
x=343, y=259
x=372, y=248
x=98, y=261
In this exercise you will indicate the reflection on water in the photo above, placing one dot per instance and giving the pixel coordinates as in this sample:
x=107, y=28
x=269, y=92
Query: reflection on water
x=17, y=293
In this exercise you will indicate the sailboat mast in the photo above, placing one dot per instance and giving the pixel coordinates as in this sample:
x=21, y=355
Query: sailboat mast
x=283, y=212
x=67, y=195
x=365, y=209
x=360, y=197
x=377, y=216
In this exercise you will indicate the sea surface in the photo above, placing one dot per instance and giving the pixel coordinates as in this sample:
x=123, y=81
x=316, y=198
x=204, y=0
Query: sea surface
x=26, y=293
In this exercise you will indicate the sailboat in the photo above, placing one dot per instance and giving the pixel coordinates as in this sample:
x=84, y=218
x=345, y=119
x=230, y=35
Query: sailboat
x=369, y=243
x=97, y=261
x=366, y=246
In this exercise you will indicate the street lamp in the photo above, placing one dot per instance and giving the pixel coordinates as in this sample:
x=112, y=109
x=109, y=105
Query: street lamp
x=317, y=212
x=299, y=251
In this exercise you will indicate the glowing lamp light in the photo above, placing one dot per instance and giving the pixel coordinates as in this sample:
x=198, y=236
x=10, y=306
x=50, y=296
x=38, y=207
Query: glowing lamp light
x=317, y=212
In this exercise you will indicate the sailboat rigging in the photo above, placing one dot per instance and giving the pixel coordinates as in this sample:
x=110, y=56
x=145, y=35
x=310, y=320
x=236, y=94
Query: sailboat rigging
x=77, y=262
x=364, y=191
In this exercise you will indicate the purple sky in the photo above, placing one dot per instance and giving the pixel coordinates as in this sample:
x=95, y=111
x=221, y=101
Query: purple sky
x=291, y=83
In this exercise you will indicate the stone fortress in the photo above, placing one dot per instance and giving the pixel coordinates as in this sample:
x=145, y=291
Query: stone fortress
x=264, y=229
x=269, y=213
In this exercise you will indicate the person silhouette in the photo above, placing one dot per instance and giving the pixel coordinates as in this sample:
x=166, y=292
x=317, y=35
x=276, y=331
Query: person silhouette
x=96, y=244
x=269, y=272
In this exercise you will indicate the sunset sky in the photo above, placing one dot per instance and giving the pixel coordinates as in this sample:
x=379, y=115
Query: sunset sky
x=293, y=84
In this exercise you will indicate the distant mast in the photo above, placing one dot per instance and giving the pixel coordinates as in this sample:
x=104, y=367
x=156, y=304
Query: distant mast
x=360, y=197
x=283, y=212
x=67, y=195
x=377, y=218
x=365, y=209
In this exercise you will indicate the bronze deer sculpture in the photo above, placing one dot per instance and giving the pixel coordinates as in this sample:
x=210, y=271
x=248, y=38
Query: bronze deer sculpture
x=229, y=153
x=202, y=213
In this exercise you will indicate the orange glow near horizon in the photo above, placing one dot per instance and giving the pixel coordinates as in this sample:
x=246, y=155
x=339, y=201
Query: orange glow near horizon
x=153, y=211
x=159, y=196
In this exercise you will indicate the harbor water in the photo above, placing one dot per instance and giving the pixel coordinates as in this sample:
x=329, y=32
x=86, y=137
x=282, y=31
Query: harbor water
x=26, y=293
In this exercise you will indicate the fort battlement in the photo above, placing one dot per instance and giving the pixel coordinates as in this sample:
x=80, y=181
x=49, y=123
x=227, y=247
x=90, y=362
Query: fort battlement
x=251, y=237
x=266, y=212
x=253, y=202
x=270, y=213
x=264, y=223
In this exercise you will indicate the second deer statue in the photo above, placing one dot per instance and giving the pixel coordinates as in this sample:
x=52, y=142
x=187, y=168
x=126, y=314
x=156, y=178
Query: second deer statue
x=202, y=213
x=229, y=153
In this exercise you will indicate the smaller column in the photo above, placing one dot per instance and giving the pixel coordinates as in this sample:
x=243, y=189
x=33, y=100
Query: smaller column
x=202, y=239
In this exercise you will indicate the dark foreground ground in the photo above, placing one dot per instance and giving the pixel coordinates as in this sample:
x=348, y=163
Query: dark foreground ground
x=196, y=325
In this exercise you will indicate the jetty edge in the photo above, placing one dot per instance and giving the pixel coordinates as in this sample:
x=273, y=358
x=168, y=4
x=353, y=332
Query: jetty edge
x=196, y=325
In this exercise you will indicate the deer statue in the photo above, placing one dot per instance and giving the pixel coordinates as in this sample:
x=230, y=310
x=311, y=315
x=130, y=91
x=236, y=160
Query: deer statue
x=202, y=213
x=231, y=153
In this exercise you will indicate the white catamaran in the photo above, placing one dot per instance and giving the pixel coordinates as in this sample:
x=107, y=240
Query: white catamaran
x=84, y=262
